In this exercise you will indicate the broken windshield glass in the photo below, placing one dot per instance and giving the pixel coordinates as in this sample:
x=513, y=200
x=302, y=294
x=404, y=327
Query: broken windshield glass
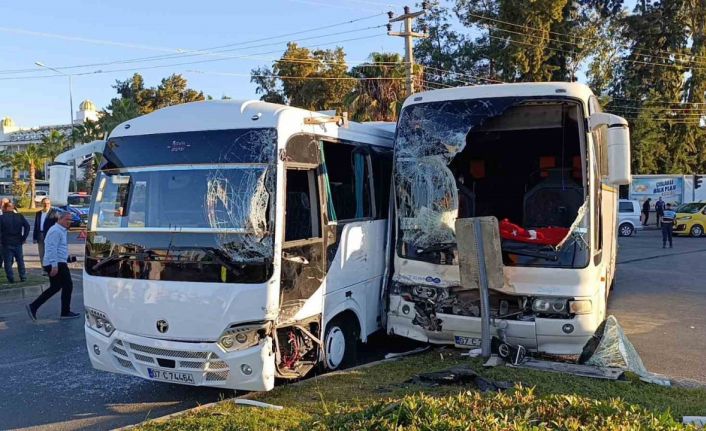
x=512, y=158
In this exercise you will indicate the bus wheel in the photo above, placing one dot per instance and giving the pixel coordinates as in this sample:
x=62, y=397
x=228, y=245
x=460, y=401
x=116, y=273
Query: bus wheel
x=340, y=344
x=696, y=231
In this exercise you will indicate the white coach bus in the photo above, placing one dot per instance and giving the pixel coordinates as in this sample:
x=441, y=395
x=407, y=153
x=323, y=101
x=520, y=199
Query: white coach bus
x=544, y=160
x=232, y=243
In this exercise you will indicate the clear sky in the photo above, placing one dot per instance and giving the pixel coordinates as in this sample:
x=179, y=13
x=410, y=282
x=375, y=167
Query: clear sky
x=73, y=32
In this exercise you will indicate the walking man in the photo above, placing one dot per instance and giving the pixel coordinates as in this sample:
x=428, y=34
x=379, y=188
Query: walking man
x=659, y=209
x=14, y=230
x=56, y=255
x=44, y=219
x=646, y=211
x=667, y=225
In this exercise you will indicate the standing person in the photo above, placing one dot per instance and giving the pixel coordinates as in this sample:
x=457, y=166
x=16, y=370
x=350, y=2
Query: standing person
x=2, y=204
x=44, y=219
x=14, y=230
x=56, y=256
x=667, y=225
x=646, y=211
x=659, y=209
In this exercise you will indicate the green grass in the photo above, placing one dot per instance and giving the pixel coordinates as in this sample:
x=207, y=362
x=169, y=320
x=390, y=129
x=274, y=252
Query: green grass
x=378, y=398
x=32, y=279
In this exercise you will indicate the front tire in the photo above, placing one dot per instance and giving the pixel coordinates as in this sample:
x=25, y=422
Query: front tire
x=340, y=344
x=696, y=231
x=625, y=229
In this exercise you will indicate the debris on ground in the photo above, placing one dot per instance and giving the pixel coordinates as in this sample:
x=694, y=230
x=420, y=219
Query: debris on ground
x=460, y=375
x=253, y=403
x=610, y=348
x=408, y=353
x=608, y=373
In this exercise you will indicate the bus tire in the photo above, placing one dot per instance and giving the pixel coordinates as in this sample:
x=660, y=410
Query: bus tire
x=341, y=343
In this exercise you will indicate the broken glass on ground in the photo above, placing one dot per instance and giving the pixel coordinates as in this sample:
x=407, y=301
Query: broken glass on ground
x=460, y=375
x=610, y=347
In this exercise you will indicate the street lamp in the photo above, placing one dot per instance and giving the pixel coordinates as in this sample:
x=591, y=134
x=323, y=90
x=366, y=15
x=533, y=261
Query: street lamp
x=71, y=107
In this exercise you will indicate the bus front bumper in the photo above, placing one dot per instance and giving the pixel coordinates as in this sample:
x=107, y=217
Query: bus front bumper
x=197, y=364
x=554, y=336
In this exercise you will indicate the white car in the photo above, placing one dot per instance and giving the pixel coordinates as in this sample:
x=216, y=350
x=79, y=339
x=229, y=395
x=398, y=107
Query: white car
x=628, y=217
x=39, y=195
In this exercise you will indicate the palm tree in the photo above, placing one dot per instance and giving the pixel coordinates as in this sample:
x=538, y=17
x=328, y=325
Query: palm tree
x=31, y=157
x=85, y=133
x=378, y=99
x=15, y=162
x=54, y=144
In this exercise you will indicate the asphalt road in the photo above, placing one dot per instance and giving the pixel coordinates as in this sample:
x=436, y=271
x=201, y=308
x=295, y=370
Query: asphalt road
x=660, y=298
x=46, y=380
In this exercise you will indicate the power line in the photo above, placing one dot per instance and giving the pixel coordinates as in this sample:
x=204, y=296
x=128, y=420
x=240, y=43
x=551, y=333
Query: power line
x=99, y=72
x=205, y=51
x=593, y=39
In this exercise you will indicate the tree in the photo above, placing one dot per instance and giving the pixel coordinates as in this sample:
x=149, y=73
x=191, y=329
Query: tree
x=87, y=132
x=134, y=99
x=30, y=158
x=315, y=80
x=15, y=162
x=54, y=144
x=375, y=99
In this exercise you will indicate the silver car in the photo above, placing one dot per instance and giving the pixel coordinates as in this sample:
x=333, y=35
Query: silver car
x=629, y=212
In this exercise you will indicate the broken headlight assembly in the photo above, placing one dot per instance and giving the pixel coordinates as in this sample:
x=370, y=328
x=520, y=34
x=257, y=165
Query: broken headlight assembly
x=561, y=307
x=99, y=322
x=239, y=337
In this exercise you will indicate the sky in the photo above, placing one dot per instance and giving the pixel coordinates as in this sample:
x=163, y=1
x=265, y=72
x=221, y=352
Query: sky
x=71, y=32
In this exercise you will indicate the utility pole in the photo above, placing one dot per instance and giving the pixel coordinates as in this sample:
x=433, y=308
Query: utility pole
x=408, y=34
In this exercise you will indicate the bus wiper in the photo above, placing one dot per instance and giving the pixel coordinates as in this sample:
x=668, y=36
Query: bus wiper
x=437, y=247
x=115, y=258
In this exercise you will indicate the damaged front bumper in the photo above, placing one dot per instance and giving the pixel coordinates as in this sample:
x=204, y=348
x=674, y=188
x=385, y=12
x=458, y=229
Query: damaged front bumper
x=558, y=336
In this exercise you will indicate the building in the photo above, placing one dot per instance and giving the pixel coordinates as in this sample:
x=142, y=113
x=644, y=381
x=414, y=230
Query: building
x=14, y=138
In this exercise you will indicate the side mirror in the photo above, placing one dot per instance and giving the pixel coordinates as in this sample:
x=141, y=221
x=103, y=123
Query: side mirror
x=618, y=137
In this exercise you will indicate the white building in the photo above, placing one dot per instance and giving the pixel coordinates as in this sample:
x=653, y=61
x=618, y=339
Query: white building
x=14, y=138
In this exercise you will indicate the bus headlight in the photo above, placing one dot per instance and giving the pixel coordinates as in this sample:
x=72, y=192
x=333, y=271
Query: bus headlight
x=239, y=337
x=551, y=306
x=581, y=306
x=99, y=322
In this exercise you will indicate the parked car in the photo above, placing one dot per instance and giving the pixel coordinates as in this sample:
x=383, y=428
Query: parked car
x=78, y=205
x=628, y=217
x=691, y=219
x=39, y=195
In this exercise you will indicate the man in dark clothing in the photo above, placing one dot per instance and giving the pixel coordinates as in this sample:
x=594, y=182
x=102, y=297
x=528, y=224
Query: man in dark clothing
x=14, y=230
x=667, y=225
x=43, y=220
x=646, y=211
x=659, y=209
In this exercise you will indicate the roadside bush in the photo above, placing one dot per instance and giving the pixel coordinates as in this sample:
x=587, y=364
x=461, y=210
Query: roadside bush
x=520, y=409
x=23, y=201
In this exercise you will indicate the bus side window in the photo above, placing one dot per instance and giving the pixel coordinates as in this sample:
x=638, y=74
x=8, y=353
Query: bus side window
x=349, y=179
x=302, y=210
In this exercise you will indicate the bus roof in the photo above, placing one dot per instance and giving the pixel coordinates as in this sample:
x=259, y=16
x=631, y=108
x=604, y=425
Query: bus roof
x=523, y=89
x=246, y=114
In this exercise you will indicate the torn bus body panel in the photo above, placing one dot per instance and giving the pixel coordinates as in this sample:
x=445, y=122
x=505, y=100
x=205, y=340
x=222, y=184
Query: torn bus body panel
x=518, y=159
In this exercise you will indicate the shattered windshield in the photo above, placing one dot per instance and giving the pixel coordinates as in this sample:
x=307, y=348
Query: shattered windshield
x=206, y=214
x=518, y=159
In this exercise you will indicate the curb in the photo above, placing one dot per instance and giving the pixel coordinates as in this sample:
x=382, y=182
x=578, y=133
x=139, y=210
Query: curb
x=249, y=395
x=22, y=292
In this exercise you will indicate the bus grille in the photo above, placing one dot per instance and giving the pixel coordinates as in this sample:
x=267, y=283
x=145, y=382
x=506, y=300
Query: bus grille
x=213, y=368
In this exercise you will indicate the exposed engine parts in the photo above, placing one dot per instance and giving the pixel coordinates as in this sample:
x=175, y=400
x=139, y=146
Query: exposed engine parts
x=296, y=349
x=430, y=301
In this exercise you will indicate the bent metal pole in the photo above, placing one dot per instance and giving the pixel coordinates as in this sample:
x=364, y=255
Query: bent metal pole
x=483, y=285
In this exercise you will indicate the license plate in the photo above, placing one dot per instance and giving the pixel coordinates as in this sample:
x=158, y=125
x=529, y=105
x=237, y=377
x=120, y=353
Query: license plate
x=171, y=376
x=467, y=341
